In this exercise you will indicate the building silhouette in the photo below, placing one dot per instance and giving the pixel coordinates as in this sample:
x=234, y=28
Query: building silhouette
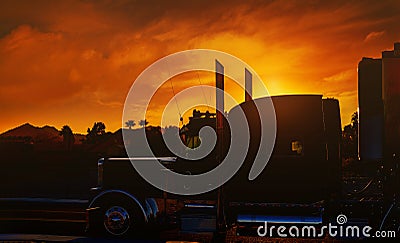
x=391, y=102
x=370, y=105
x=391, y=99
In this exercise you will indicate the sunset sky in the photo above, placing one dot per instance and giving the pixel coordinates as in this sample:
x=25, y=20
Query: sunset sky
x=73, y=62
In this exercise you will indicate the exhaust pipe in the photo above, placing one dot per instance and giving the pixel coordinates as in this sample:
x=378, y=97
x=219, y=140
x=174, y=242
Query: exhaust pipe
x=248, y=79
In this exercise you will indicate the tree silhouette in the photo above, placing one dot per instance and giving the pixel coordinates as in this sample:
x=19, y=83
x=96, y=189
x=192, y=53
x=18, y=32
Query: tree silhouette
x=93, y=135
x=143, y=123
x=130, y=124
x=68, y=137
x=354, y=121
x=350, y=138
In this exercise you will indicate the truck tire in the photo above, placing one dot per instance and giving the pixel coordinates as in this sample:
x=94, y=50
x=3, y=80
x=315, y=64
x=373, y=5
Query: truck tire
x=119, y=217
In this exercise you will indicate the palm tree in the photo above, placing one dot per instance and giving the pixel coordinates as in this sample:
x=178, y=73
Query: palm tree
x=68, y=137
x=143, y=123
x=130, y=124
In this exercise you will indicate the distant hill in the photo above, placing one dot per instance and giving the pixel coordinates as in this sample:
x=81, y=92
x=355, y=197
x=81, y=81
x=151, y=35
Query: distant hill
x=45, y=134
x=49, y=135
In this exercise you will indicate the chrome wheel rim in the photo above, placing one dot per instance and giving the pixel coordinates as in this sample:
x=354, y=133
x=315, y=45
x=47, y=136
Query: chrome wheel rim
x=116, y=220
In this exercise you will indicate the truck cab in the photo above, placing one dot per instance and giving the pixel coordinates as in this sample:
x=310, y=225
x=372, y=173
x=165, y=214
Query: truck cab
x=302, y=177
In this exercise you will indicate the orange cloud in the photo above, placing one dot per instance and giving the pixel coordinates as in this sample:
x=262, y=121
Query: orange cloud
x=74, y=62
x=374, y=35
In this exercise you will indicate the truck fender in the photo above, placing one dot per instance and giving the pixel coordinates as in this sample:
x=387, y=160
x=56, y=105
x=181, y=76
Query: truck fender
x=121, y=194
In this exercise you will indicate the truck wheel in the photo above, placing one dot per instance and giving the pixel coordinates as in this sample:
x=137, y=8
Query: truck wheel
x=120, y=219
x=117, y=220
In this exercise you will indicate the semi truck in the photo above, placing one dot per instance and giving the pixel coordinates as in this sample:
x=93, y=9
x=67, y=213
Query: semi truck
x=300, y=181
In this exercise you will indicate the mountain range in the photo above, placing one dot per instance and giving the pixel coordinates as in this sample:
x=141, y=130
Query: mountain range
x=38, y=134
